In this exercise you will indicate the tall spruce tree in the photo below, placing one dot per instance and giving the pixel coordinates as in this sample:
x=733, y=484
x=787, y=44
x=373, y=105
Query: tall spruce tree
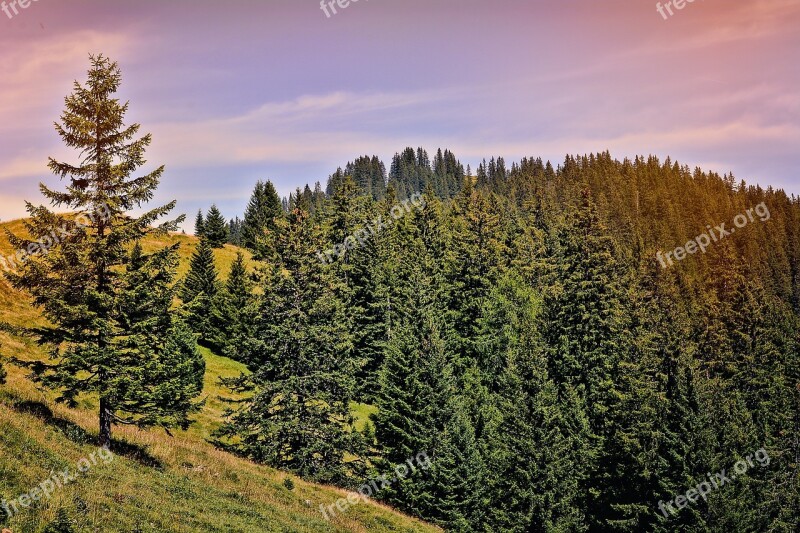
x=531, y=438
x=199, y=289
x=233, y=312
x=663, y=385
x=299, y=415
x=420, y=411
x=473, y=266
x=158, y=343
x=215, y=229
x=202, y=276
x=259, y=217
x=199, y=224
x=235, y=231
x=584, y=335
x=78, y=284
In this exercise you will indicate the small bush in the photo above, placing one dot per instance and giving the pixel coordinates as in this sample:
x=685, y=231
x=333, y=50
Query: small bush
x=62, y=523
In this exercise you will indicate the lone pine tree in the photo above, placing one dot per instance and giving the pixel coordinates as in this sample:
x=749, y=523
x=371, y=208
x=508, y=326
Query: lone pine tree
x=79, y=283
x=215, y=229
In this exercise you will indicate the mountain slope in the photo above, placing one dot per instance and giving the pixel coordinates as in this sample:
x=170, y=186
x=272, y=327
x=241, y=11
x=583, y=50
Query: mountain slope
x=154, y=482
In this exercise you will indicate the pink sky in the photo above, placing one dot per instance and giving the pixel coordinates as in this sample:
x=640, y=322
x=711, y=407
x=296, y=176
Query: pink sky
x=237, y=91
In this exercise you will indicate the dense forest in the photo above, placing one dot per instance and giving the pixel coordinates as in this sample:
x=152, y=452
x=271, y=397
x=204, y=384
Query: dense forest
x=516, y=326
x=521, y=329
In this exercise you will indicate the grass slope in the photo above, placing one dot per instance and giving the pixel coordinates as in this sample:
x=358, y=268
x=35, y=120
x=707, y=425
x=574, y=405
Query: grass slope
x=155, y=483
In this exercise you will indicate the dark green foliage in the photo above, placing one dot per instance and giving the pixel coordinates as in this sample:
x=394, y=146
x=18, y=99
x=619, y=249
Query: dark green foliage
x=202, y=276
x=199, y=289
x=532, y=437
x=158, y=344
x=416, y=386
x=61, y=524
x=233, y=313
x=235, y=232
x=368, y=175
x=450, y=492
x=301, y=356
x=215, y=229
x=448, y=174
x=80, y=283
x=379, y=295
x=477, y=244
x=421, y=412
x=259, y=217
x=199, y=224
x=585, y=336
x=524, y=335
x=411, y=172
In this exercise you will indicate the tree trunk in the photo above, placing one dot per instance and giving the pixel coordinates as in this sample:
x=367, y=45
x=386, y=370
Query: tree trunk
x=105, y=424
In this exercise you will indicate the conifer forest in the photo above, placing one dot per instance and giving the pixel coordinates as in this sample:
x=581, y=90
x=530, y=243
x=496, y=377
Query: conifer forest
x=458, y=334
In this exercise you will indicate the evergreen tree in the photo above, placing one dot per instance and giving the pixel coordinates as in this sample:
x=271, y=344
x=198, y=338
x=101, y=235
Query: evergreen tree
x=473, y=267
x=158, y=343
x=531, y=438
x=346, y=212
x=235, y=231
x=585, y=336
x=199, y=289
x=658, y=409
x=420, y=412
x=79, y=282
x=199, y=224
x=233, y=312
x=369, y=175
x=262, y=210
x=299, y=415
x=215, y=229
x=380, y=274
x=451, y=492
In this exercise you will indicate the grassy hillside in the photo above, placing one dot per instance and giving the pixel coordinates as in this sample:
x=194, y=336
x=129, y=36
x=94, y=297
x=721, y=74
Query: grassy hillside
x=155, y=482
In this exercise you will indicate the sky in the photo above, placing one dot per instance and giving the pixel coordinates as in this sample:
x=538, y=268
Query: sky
x=235, y=91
